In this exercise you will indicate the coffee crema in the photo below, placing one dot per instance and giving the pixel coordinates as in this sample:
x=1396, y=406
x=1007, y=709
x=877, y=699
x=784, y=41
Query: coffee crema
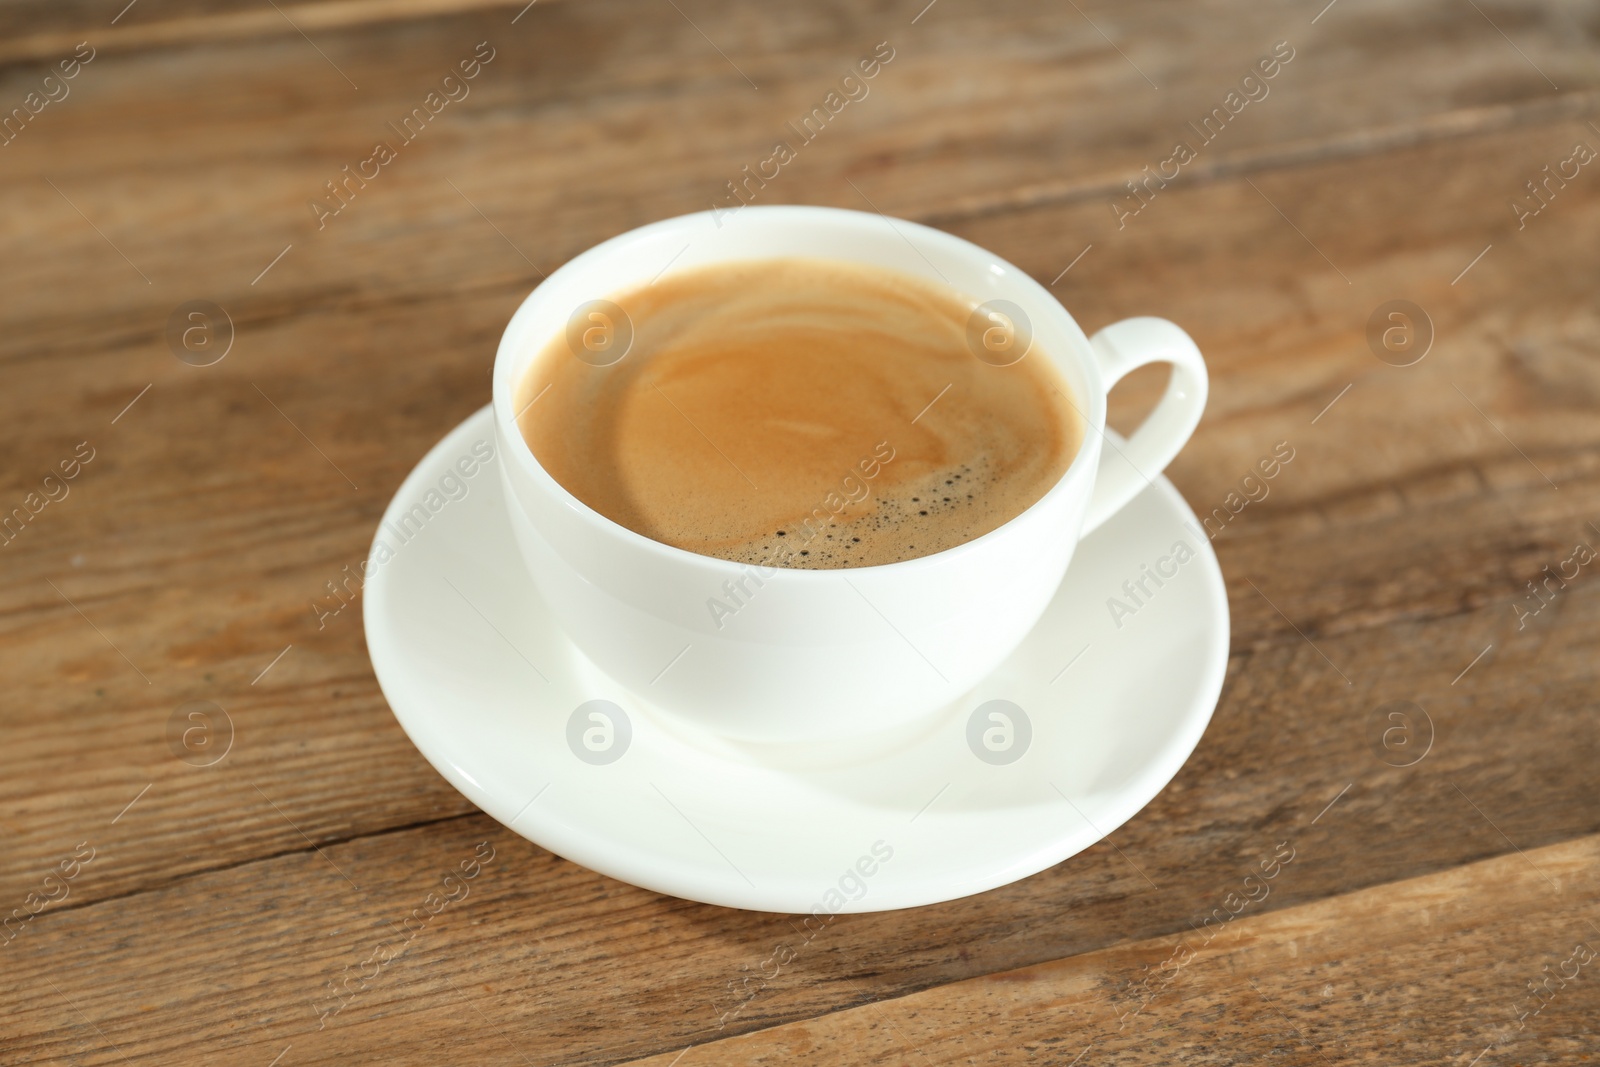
x=795, y=413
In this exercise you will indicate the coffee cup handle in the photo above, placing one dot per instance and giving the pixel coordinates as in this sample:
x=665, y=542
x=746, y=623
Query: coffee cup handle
x=1130, y=467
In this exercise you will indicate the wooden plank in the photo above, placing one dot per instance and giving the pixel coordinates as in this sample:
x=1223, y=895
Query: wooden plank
x=1370, y=977
x=563, y=142
x=44, y=30
x=530, y=965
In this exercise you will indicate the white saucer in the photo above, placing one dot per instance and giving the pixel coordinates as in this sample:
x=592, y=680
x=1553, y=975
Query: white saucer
x=490, y=690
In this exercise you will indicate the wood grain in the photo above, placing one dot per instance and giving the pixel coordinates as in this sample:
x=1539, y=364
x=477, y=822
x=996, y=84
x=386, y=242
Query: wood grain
x=41, y=31
x=630, y=104
x=1279, y=986
x=1387, y=563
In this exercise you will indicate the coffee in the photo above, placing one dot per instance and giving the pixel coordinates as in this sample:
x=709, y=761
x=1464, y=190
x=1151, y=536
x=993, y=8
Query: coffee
x=796, y=413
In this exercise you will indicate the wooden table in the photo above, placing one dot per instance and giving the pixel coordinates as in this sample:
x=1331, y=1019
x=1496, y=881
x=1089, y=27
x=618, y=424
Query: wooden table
x=1440, y=904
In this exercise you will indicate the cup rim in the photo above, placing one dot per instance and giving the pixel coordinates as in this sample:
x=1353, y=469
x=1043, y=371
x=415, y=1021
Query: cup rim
x=1088, y=450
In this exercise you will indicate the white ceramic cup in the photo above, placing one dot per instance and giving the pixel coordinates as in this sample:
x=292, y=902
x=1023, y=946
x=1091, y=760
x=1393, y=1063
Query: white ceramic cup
x=814, y=655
